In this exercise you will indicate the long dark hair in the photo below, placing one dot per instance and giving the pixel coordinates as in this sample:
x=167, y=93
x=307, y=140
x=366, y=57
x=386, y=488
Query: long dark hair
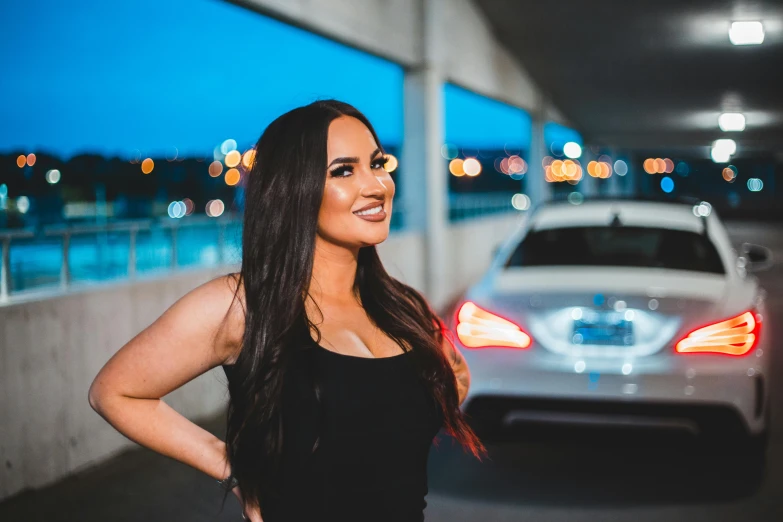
x=283, y=194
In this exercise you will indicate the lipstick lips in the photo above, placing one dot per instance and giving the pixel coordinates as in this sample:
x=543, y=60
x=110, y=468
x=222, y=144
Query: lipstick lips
x=375, y=216
x=369, y=206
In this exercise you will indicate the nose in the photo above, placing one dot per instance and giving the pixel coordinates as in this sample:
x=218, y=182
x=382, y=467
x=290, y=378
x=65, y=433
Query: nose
x=373, y=186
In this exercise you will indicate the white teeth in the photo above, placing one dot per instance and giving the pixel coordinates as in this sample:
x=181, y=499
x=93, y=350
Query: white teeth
x=371, y=211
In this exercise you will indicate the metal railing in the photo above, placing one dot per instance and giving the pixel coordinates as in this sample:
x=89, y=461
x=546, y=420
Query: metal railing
x=206, y=240
x=5, y=267
x=467, y=206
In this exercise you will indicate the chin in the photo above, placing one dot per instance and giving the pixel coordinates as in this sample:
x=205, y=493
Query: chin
x=378, y=240
x=374, y=239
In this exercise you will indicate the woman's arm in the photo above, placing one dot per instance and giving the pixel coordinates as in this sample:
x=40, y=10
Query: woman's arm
x=189, y=339
x=460, y=367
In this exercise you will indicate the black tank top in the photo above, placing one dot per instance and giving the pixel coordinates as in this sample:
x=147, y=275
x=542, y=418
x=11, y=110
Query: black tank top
x=371, y=428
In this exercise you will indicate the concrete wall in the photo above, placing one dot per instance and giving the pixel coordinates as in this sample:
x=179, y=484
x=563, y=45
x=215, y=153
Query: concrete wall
x=402, y=254
x=464, y=47
x=51, y=349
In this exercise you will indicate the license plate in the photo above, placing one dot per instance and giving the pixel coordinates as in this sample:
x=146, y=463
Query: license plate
x=608, y=329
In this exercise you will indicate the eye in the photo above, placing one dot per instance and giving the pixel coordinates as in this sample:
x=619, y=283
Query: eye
x=342, y=172
x=380, y=162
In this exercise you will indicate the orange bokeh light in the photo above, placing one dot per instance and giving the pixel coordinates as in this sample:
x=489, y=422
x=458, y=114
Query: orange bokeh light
x=233, y=158
x=649, y=166
x=248, y=158
x=31, y=159
x=232, y=177
x=21, y=161
x=215, y=169
x=556, y=168
x=516, y=165
x=660, y=166
x=504, y=167
x=391, y=163
x=569, y=169
x=559, y=170
x=455, y=167
x=147, y=165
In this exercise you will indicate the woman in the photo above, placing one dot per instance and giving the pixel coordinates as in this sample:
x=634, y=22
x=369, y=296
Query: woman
x=339, y=375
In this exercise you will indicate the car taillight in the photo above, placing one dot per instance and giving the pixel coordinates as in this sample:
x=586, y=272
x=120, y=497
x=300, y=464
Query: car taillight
x=735, y=336
x=478, y=328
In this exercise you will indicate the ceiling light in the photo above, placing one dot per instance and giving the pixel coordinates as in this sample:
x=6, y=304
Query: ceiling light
x=730, y=146
x=746, y=33
x=719, y=155
x=572, y=150
x=731, y=121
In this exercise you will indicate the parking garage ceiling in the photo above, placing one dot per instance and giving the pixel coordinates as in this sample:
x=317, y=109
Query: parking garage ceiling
x=649, y=75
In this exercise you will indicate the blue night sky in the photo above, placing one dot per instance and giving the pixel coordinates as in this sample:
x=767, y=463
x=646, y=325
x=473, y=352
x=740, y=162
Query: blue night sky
x=559, y=134
x=478, y=122
x=111, y=77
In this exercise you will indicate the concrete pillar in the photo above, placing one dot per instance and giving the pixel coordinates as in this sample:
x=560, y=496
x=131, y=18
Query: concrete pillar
x=643, y=181
x=424, y=191
x=588, y=186
x=631, y=180
x=613, y=184
x=425, y=187
x=411, y=196
x=536, y=186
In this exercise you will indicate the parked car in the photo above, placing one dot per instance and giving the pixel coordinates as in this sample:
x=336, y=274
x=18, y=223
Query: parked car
x=617, y=312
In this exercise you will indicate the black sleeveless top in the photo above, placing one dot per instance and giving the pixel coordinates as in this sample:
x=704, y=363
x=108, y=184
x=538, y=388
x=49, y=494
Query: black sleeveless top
x=371, y=428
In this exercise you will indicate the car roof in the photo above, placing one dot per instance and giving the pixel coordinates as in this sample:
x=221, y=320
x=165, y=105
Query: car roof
x=602, y=212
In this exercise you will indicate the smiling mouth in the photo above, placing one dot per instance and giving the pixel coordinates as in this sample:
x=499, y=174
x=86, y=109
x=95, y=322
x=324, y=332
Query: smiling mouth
x=370, y=211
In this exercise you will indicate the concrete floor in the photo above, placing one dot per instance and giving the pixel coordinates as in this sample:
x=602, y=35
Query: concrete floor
x=554, y=475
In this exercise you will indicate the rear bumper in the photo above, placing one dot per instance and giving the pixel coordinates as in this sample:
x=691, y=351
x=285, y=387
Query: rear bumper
x=498, y=412
x=693, y=393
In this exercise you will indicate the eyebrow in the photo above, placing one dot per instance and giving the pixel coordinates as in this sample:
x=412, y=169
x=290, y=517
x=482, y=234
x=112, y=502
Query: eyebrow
x=353, y=159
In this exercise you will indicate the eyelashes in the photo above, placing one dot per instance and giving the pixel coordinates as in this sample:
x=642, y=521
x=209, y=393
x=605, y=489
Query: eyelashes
x=340, y=172
x=344, y=171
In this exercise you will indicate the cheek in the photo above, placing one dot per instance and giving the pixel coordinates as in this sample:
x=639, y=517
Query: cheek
x=336, y=204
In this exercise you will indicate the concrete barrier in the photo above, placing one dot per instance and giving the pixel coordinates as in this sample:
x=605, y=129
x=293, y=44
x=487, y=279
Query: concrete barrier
x=50, y=352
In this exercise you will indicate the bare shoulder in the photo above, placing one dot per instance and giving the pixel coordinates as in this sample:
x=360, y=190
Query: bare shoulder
x=201, y=330
x=211, y=316
x=225, y=295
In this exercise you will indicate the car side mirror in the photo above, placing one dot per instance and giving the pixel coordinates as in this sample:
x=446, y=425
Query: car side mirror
x=754, y=258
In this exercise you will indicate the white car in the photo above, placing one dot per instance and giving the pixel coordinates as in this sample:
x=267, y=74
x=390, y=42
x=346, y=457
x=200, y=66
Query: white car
x=620, y=312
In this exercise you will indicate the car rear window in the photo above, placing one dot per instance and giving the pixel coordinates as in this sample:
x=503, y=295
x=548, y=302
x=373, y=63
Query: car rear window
x=618, y=246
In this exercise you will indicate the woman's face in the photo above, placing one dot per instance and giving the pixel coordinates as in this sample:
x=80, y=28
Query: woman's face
x=357, y=203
